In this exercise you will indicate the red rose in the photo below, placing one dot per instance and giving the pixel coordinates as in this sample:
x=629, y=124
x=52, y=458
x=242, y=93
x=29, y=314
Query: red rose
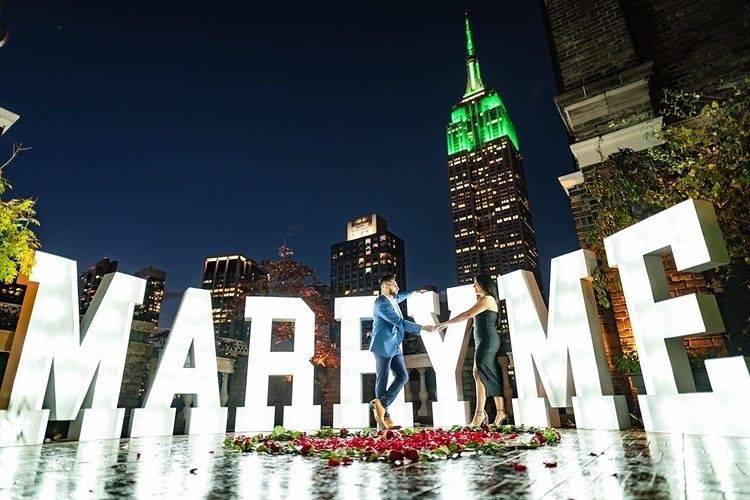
x=519, y=467
x=395, y=456
x=389, y=434
x=412, y=454
x=343, y=432
x=306, y=448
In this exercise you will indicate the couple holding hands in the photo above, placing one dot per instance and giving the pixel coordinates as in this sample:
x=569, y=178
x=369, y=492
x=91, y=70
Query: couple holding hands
x=388, y=330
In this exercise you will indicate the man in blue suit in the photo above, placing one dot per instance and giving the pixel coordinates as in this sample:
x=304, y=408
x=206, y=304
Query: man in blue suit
x=388, y=330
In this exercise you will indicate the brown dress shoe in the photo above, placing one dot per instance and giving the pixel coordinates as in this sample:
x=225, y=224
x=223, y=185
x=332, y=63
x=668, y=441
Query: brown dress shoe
x=378, y=410
x=389, y=423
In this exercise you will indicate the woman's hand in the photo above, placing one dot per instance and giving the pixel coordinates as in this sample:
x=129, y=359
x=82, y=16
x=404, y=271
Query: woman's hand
x=441, y=326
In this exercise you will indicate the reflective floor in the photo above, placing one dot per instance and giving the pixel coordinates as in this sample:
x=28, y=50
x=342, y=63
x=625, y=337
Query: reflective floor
x=590, y=464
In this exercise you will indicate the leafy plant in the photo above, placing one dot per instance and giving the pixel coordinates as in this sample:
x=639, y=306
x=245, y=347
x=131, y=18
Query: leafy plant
x=705, y=155
x=18, y=242
x=698, y=357
x=628, y=363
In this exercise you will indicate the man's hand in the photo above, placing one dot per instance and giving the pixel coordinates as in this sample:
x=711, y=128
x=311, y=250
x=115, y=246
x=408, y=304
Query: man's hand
x=429, y=328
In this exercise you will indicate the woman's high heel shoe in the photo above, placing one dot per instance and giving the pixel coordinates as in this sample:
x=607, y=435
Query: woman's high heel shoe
x=498, y=420
x=480, y=418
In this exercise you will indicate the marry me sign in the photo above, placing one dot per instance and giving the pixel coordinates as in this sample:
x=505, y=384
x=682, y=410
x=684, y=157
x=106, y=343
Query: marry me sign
x=72, y=370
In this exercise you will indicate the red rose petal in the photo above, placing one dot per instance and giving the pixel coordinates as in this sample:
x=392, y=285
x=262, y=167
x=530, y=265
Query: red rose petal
x=395, y=456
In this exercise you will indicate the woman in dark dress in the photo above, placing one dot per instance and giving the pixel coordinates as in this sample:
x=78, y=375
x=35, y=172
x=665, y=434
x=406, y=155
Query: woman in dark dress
x=487, y=375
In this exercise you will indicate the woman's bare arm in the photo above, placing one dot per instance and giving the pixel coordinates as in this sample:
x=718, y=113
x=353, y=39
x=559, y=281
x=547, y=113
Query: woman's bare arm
x=481, y=305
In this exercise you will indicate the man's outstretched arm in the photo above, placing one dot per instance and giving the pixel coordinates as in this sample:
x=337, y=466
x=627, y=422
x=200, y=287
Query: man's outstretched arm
x=402, y=296
x=391, y=316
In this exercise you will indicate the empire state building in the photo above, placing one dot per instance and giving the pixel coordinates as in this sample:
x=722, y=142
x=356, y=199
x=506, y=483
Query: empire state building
x=492, y=226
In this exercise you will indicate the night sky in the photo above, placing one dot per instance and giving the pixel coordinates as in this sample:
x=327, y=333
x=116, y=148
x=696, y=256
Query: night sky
x=163, y=132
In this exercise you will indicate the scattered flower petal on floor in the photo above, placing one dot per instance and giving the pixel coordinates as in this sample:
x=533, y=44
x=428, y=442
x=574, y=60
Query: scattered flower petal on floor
x=396, y=446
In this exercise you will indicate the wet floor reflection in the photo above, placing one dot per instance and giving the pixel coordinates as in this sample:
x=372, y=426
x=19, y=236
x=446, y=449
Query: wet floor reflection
x=589, y=464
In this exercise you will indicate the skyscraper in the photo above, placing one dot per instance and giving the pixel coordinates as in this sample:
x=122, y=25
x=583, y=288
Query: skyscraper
x=369, y=252
x=89, y=281
x=150, y=310
x=229, y=278
x=493, y=230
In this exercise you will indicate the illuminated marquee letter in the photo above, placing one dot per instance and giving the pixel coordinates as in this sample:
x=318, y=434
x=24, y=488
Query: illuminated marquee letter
x=567, y=349
x=193, y=326
x=261, y=363
x=355, y=362
x=446, y=351
x=690, y=230
x=82, y=370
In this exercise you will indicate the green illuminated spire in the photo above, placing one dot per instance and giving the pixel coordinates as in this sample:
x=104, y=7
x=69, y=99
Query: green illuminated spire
x=473, y=77
x=481, y=116
x=469, y=39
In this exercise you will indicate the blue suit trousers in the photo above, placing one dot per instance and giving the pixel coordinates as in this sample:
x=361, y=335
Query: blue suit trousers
x=386, y=394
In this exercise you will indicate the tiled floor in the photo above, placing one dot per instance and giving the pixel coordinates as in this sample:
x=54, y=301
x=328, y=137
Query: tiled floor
x=591, y=464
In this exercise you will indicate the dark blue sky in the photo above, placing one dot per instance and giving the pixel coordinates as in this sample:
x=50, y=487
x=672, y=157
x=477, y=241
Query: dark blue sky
x=166, y=131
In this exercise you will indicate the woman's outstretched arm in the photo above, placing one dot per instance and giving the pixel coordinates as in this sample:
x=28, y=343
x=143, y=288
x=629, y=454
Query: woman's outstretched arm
x=481, y=305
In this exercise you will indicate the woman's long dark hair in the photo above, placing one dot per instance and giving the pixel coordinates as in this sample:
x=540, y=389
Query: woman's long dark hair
x=488, y=284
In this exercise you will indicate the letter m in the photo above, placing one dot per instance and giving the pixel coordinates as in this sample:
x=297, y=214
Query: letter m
x=65, y=364
x=560, y=360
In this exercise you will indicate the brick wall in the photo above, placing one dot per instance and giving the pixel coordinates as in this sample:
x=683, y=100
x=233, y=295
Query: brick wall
x=693, y=44
x=583, y=209
x=680, y=283
x=590, y=40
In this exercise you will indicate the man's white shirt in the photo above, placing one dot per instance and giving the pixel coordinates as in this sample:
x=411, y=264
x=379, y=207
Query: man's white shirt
x=394, y=303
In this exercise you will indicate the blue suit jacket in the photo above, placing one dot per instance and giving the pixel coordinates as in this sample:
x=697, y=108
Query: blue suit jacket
x=388, y=327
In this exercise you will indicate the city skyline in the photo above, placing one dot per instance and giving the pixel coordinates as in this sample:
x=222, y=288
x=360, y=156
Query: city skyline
x=174, y=234
x=561, y=236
